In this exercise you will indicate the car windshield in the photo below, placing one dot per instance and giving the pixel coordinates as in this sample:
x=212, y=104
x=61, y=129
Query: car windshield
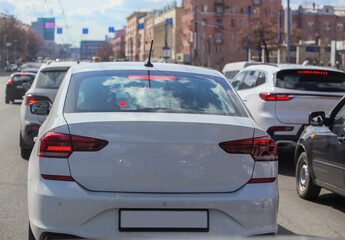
x=22, y=78
x=152, y=91
x=311, y=80
x=51, y=79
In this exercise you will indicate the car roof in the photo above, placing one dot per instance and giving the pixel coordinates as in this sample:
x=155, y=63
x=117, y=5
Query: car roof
x=57, y=65
x=106, y=66
x=20, y=73
x=279, y=67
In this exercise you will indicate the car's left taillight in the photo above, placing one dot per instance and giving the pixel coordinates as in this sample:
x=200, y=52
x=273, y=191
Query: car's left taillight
x=264, y=152
x=9, y=81
x=60, y=145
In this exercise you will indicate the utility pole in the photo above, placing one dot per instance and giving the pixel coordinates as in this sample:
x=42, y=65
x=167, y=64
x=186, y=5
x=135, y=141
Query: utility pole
x=248, y=42
x=288, y=31
x=196, y=62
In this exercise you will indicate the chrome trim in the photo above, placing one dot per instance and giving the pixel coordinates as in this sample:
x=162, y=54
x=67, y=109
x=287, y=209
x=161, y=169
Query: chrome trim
x=330, y=165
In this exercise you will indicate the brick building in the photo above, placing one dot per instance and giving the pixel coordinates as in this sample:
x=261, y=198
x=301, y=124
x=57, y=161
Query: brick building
x=326, y=23
x=210, y=29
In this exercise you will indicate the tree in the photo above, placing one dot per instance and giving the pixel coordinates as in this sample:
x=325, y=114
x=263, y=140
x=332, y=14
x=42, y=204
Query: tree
x=17, y=40
x=106, y=52
x=262, y=31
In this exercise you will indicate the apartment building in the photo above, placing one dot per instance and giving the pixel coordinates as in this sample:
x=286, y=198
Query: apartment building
x=210, y=29
x=132, y=35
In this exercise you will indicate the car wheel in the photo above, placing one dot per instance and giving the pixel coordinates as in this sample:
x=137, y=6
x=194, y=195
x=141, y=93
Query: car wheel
x=7, y=100
x=31, y=235
x=306, y=189
x=24, y=150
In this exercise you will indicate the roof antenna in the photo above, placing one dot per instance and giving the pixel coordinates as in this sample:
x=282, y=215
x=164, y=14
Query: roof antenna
x=148, y=63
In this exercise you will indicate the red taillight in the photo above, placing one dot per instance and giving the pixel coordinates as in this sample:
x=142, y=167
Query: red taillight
x=29, y=98
x=274, y=97
x=261, y=149
x=58, y=145
x=9, y=81
x=264, y=152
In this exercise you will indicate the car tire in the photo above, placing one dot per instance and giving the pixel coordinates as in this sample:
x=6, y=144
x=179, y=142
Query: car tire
x=25, y=151
x=31, y=235
x=7, y=100
x=306, y=189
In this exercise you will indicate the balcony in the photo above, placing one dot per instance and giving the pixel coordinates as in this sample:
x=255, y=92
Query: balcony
x=219, y=13
x=219, y=2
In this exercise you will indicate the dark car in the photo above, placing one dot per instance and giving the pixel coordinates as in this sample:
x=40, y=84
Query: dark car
x=17, y=85
x=320, y=154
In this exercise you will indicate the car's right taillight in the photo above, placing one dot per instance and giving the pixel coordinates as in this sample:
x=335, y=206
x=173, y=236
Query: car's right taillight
x=264, y=152
x=30, y=98
x=59, y=145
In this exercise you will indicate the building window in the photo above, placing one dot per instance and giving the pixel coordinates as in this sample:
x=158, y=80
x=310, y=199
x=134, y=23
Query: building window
x=327, y=26
x=219, y=9
x=218, y=49
x=204, y=8
x=310, y=25
x=340, y=27
x=219, y=24
x=242, y=10
x=203, y=35
x=233, y=10
x=233, y=23
x=232, y=50
x=218, y=37
x=233, y=36
x=242, y=23
x=204, y=22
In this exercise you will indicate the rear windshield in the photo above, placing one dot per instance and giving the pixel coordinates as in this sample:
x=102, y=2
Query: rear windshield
x=23, y=78
x=311, y=80
x=153, y=91
x=51, y=79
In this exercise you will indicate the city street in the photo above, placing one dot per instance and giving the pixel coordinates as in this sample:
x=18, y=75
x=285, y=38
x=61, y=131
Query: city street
x=324, y=217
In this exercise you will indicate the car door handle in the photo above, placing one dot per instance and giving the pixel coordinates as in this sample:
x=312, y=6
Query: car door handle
x=245, y=100
x=341, y=139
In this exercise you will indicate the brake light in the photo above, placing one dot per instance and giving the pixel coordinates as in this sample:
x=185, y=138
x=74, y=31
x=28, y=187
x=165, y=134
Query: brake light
x=23, y=74
x=151, y=77
x=264, y=152
x=313, y=72
x=59, y=145
x=9, y=81
x=274, y=97
x=29, y=98
x=261, y=149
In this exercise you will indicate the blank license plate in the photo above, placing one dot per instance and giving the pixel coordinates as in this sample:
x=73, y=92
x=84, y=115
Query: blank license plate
x=164, y=220
x=20, y=86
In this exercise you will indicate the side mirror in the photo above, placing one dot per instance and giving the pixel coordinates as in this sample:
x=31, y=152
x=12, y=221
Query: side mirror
x=40, y=108
x=317, y=118
x=26, y=86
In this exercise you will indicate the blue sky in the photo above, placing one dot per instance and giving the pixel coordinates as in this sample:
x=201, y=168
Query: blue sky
x=96, y=15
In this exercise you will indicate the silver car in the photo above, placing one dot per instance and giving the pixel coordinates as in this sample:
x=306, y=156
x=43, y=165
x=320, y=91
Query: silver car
x=44, y=87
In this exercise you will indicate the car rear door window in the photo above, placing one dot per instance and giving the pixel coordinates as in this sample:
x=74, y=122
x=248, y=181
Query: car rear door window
x=311, y=80
x=153, y=91
x=51, y=79
x=22, y=78
x=249, y=81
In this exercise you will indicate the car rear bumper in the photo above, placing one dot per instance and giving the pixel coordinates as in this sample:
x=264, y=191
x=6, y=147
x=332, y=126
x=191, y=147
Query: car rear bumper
x=67, y=208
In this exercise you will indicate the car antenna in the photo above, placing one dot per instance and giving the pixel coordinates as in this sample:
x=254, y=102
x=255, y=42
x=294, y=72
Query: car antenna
x=148, y=63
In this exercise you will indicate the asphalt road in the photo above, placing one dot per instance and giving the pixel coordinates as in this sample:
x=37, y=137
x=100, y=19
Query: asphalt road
x=324, y=217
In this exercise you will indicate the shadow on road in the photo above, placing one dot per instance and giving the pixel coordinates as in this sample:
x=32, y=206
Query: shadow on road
x=333, y=200
x=286, y=164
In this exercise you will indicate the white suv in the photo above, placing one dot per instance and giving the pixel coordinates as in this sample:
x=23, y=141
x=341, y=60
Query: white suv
x=44, y=87
x=280, y=97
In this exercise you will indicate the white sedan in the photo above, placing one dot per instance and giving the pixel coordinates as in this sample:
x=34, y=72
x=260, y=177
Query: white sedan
x=131, y=151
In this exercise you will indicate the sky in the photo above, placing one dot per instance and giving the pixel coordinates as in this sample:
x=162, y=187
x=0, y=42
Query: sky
x=96, y=15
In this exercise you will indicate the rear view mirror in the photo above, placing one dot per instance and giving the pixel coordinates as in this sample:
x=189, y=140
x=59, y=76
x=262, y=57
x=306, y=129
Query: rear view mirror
x=317, y=118
x=40, y=108
x=26, y=86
